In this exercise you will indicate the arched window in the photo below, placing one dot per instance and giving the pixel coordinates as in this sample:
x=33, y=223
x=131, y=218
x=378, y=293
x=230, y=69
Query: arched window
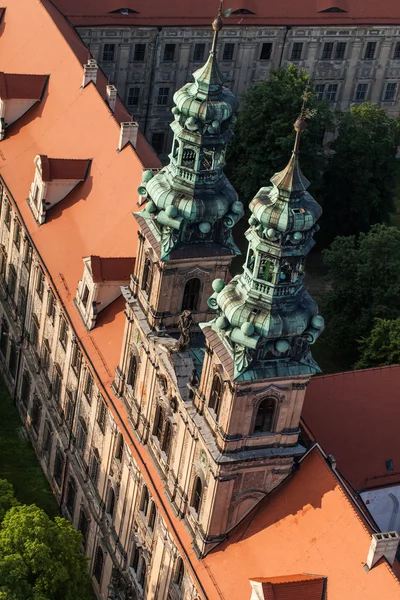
x=197, y=495
x=191, y=294
x=176, y=149
x=179, y=573
x=166, y=444
x=132, y=371
x=147, y=278
x=135, y=558
x=142, y=576
x=152, y=516
x=144, y=504
x=119, y=447
x=158, y=423
x=188, y=158
x=216, y=395
x=110, y=502
x=98, y=564
x=265, y=415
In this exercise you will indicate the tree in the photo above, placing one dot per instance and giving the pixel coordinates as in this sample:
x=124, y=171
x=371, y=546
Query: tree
x=382, y=346
x=40, y=558
x=364, y=284
x=360, y=177
x=264, y=132
x=7, y=498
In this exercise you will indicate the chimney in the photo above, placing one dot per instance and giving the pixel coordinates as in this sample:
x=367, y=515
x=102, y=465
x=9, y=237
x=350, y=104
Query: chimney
x=111, y=94
x=89, y=72
x=383, y=544
x=129, y=132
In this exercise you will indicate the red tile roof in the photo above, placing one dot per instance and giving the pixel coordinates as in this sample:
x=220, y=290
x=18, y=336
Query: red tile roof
x=21, y=86
x=111, y=269
x=355, y=416
x=64, y=168
x=296, y=587
x=307, y=525
x=285, y=12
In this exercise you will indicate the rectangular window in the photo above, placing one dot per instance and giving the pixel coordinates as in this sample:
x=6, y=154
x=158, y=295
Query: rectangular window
x=13, y=361
x=58, y=466
x=71, y=495
x=45, y=360
x=390, y=92
x=4, y=336
x=331, y=92
x=57, y=383
x=297, y=49
x=76, y=358
x=47, y=438
x=83, y=527
x=361, y=92
x=88, y=387
x=85, y=296
x=17, y=234
x=108, y=52
x=133, y=96
x=40, y=283
x=169, y=52
x=228, y=51
x=370, y=51
x=157, y=141
x=21, y=303
x=51, y=306
x=25, y=388
x=340, y=50
x=266, y=51
x=81, y=436
x=139, y=52
x=7, y=214
x=319, y=91
x=396, y=54
x=3, y=261
x=69, y=407
x=162, y=98
x=36, y=414
x=199, y=51
x=34, y=337
x=27, y=254
x=63, y=334
x=327, y=51
x=102, y=414
x=94, y=467
x=12, y=281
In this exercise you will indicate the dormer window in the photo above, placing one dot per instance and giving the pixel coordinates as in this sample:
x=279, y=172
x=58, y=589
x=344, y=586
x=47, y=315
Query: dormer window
x=54, y=179
x=18, y=93
x=101, y=285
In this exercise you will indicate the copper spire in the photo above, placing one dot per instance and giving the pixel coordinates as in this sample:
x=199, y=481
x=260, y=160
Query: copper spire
x=291, y=179
x=217, y=25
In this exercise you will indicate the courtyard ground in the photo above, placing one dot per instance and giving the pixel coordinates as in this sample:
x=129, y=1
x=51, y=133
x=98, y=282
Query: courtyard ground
x=18, y=461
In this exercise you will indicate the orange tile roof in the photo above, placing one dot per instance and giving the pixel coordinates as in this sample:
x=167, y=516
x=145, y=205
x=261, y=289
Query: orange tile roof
x=296, y=587
x=285, y=12
x=304, y=527
x=307, y=525
x=21, y=86
x=355, y=417
x=111, y=269
x=63, y=168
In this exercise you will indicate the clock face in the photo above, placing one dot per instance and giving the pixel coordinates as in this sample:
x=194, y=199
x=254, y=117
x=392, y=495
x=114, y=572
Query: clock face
x=207, y=160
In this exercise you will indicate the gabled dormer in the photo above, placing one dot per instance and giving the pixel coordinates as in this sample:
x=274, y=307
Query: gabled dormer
x=54, y=179
x=18, y=93
x=100, y=285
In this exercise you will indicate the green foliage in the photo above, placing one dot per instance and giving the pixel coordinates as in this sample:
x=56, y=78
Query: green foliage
x=364, y=276
x=264, y=132
x=359, y=182
x=40, y=558
x=7, y=498
x=382, y=346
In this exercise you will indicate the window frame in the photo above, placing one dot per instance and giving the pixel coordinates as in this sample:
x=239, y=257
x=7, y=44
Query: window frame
x=163, y=96
x=139, y=52
x=199, y=51
x=364, y=96
x=108, y=54
x=130, y=96
x=228, y=52
x=394, y=87
x=269, y=417
x=264, y=47
x=297, y=51
x=158, y=143
x=370, y=50
x=197, y=495
x=169, y=52
x=327, y=50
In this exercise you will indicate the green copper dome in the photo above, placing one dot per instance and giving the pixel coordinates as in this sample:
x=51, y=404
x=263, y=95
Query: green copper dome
x=191, y=199
x=269, y=318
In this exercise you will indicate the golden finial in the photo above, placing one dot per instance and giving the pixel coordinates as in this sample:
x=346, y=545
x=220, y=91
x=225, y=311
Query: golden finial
x=218, y=23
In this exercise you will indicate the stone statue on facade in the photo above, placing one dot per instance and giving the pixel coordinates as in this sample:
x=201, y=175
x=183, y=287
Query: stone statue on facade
x=184, y=323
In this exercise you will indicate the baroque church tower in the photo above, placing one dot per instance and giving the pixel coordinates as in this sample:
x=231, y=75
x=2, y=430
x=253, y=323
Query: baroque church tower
x=218, y=408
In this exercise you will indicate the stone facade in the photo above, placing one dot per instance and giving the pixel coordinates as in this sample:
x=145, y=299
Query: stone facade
x=349, y=64
x=94, y=477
